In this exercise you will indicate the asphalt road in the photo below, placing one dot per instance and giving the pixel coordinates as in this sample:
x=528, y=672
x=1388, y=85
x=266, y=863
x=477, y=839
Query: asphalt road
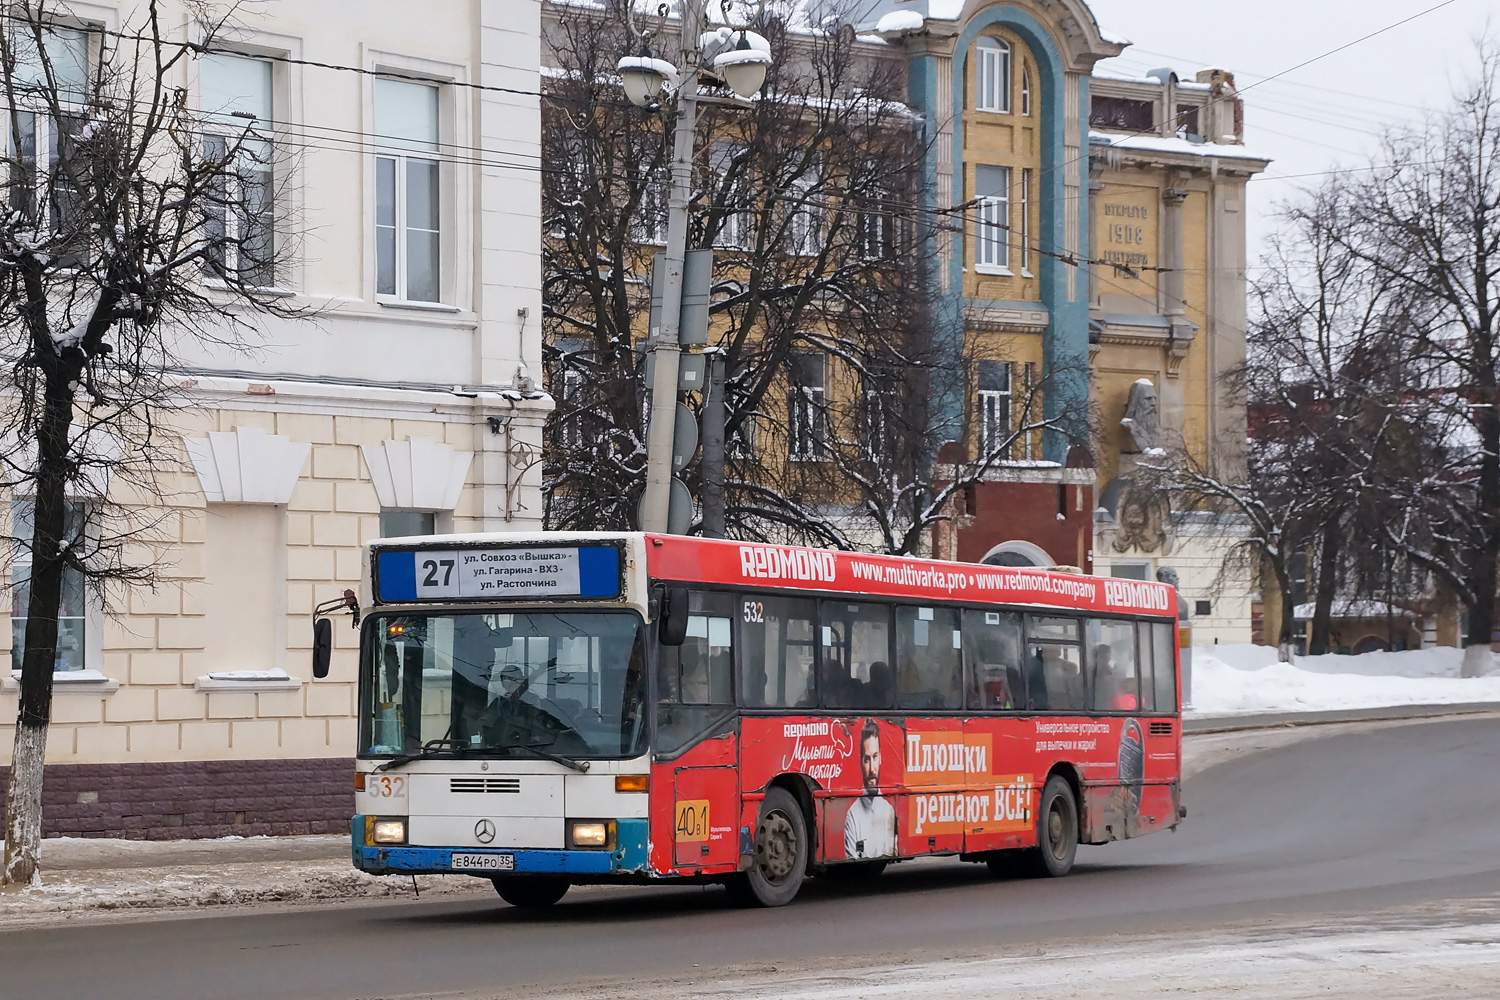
x=1348, y=824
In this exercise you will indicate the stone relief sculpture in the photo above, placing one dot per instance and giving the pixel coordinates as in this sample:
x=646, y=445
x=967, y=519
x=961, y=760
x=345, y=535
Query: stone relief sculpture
x=1140, y=520
x=1141, y=417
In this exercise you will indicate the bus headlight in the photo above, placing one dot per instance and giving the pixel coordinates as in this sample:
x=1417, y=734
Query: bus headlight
x=388, y=831
x=588, y=833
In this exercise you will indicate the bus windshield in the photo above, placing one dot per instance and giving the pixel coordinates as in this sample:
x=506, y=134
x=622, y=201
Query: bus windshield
x=568, y=682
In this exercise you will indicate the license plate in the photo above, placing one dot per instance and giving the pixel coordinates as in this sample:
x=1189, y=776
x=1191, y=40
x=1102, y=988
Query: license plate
x=484, y=862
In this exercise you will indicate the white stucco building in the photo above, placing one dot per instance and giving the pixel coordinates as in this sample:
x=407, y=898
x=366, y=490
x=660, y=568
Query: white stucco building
x=406, y=151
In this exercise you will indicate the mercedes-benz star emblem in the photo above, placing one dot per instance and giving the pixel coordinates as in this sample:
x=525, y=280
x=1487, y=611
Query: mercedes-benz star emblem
x=484, y=831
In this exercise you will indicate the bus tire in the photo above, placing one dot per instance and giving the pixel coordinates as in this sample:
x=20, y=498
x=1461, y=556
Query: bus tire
x=781, y=849
x=1056, y=830
x=530, y=892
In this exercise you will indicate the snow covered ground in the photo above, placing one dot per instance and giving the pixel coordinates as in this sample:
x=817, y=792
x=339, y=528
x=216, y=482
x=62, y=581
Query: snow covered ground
x=1245, y=678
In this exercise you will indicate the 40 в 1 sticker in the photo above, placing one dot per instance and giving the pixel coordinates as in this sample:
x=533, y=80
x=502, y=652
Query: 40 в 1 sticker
x=692, y=820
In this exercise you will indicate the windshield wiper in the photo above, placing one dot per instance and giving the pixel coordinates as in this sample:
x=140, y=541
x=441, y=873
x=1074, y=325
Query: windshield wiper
x=577, y=765
x=428, y=749
x=433, y=748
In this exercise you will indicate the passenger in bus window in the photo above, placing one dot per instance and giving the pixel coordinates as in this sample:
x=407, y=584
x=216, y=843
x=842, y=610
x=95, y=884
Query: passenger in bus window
x=882, y=686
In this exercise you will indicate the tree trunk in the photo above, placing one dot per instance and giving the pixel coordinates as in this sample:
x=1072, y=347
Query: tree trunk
x=1285, y=637
x=23, y=800
x=1328, y=562
x=1477, y=658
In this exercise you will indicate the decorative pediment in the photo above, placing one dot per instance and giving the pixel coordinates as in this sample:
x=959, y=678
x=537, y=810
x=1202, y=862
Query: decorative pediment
x=247, y=465
x=417, y=474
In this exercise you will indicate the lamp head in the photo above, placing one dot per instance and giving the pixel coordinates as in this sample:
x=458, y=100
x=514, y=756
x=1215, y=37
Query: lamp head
x=645, y=78
x=743, y=68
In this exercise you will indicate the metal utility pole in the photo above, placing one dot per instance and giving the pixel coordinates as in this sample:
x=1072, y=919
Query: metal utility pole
x=711, y=464
x=663, y=341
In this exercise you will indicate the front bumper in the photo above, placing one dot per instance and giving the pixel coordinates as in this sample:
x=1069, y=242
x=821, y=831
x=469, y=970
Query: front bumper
x=628, y=858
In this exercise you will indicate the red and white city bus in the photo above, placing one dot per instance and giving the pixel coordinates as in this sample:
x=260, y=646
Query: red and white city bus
x=554, y=709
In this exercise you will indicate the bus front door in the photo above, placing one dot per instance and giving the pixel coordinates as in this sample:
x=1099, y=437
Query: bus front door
x=705, y=817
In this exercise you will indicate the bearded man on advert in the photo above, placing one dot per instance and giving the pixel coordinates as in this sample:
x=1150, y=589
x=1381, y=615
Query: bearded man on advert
x=870, y=823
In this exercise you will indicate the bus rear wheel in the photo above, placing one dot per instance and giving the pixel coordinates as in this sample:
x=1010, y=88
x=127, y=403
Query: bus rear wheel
x=781, y=848
x=530, y=892
x=1056, y=830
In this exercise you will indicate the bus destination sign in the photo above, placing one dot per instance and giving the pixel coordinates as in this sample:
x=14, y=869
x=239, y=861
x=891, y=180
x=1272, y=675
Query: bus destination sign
x=502, y=573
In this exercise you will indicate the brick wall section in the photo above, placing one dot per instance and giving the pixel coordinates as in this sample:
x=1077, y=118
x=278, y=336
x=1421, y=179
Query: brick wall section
x=196, y=799
x=1028, y=512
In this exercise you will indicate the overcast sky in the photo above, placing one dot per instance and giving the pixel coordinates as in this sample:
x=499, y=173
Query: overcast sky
x=1325, y=115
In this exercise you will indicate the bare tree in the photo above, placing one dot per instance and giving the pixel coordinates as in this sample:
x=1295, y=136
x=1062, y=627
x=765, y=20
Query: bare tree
x=805, y=196
x=1428, y=221
x=148, y=227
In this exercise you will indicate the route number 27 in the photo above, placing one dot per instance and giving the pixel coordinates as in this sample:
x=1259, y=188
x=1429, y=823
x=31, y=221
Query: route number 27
x=437, y=574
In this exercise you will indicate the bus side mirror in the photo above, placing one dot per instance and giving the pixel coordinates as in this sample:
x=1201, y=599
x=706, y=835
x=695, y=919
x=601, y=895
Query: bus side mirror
x=673, y=623
x=322, y=646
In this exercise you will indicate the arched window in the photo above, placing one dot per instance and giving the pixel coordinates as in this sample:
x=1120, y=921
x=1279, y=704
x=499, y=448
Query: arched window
x=1026, y=90
x=1018, y=553
x=992, y=75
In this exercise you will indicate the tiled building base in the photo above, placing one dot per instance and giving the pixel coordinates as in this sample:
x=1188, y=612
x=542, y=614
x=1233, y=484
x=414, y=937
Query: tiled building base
x=194, y=799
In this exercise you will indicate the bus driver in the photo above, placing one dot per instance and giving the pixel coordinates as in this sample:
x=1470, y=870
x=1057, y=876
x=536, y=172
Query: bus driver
x=870, y=823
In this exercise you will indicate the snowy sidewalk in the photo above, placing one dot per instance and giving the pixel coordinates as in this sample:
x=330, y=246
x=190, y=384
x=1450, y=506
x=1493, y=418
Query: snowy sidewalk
x=100, y=877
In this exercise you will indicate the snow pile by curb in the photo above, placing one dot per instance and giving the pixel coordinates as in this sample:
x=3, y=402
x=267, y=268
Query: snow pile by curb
x=72, y=893
x=1229, y=680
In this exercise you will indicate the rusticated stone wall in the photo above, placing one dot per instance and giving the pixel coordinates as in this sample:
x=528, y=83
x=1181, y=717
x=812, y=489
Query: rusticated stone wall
x=196, y=799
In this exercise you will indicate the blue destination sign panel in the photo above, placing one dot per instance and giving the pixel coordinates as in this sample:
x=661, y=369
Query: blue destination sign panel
x=499, y=573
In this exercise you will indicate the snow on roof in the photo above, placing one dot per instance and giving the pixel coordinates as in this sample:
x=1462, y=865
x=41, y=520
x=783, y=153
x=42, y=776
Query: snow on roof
x=1104, y=74
x=1354, y=609
x=1159, y=144
x=898, y=21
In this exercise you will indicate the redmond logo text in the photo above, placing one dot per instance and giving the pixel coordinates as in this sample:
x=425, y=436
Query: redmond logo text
x=1132, y=593
x=765, y=562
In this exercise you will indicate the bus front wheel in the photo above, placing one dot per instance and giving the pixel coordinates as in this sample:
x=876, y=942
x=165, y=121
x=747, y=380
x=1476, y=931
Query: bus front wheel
x=1056, y=830
x=530, y=891
x=781, y=849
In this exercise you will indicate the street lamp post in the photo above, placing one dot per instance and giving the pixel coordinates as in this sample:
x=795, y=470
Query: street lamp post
x=742, y=65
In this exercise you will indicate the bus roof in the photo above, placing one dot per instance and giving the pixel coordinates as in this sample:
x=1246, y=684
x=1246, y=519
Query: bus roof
x=716, y=562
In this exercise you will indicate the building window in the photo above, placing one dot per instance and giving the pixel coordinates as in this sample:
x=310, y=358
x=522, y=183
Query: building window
x=650, y=222
x=401, y=523
x=1130, y=570
x=804, y=224
x=731, y=194
x=807, y=425
x=407, y=199
x=1025, y=247
x=992, y=236
x=1026, y=91
x=873, y=236
x=39, y=144
x=1187, y=123
x=1120, y=113
x=875, y=423
x=570, y=417
x=72, y=612
x=740, y=443
x=994, y=407
x=992, y=75
x=238, y=122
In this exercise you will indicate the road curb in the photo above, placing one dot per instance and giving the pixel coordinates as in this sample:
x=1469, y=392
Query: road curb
x=1205, y=725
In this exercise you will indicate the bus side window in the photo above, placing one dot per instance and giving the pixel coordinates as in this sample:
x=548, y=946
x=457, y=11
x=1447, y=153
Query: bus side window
x=855, y=656
x=929, y=658
x=695, y=680
x=1054, y=678
x=1143, y=643
x=1164, y=655
x=1114, y=683
x=992, y=658
x=777, y=651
